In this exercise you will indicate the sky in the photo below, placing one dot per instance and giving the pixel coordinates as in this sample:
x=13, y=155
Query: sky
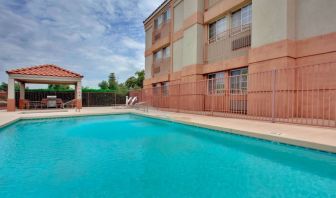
x=90, y=37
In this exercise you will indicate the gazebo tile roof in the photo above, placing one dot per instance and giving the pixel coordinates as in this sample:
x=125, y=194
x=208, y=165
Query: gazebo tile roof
x=45, y=70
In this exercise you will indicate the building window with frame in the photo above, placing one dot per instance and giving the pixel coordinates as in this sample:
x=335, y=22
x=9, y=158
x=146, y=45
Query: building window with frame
x=246, y=15
x=216, y=83
x=162, y=19
x=157, y=56
x=217, y=30
x=166, y=15
x=238, y=80
x=158, y=21
x=161, y=55
x=242, y=19
x=166, y=52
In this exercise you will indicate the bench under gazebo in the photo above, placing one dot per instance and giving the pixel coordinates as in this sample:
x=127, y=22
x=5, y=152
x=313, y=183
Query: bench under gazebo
x=42, y=74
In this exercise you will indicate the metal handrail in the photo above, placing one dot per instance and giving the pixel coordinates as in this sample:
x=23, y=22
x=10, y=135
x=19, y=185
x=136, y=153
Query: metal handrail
x=66, y=103
x=140, y=104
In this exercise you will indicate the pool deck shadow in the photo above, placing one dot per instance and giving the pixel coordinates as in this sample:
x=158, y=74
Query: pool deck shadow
x=319, y=138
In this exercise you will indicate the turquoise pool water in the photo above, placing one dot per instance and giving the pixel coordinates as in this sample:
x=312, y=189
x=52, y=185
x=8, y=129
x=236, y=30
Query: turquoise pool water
x=133, y=156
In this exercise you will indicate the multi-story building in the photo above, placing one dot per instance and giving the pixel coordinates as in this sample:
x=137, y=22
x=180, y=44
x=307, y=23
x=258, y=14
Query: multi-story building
x=194, y=40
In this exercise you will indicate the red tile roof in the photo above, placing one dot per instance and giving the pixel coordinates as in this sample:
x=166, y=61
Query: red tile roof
x=45, y=70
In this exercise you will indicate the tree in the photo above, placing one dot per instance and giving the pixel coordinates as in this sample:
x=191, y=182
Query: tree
x=135, y=82
x=131, y=82
x=58, y=87
x=104, y=85
x=3, y=86
x=112, y=82
x=122, y=89
x=140, y=77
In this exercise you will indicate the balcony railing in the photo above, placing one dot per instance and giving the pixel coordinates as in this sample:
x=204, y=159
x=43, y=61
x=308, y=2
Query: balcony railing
x=162, y=31
x=161, y=66
x=229, y=44
x=300, y=95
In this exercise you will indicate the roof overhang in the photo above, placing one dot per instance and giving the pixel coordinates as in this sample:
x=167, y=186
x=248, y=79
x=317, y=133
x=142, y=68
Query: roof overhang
x=44, y=79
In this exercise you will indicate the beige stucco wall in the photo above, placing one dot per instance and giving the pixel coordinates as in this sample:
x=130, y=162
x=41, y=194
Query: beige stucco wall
x=11, y=87
x=148, y=66
x=315, y=17
x=178, y=16
x=193, y=45
x=177, y=55
x=272, y=21
x=149, y=33
x=192, y=6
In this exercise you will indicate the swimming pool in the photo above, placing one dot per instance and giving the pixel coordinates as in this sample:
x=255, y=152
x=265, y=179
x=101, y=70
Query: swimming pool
x=134, y=156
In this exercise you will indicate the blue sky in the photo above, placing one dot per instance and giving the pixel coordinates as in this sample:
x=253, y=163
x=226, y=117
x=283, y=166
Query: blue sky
x=91, y=37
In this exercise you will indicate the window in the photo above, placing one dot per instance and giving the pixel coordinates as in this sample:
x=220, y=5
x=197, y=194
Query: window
x=165, y=88
x=242, y=18
x=156, y=24
x=212, y=32
x=166, y=52
x=216, y=83
x=221, y=26
x=217, y=29
x=246, y=15
x=157, y=56
x=161, y=54
x=236, y=19
x=163, y=18
x=158, y=21
x=166, y=15
x=238, y=80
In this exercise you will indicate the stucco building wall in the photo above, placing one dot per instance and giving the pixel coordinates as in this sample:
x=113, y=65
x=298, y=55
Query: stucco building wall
x=272, y=21
x=285, y=33
x=315, y=18
x=178, y=16
x=178, y=55
x=149, y=33
x=148, y=66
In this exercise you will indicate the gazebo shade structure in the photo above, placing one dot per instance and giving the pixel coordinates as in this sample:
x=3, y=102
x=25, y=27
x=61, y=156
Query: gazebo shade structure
x=41, y=74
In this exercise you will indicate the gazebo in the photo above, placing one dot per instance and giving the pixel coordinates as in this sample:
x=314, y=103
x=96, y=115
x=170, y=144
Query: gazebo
x=41, y=74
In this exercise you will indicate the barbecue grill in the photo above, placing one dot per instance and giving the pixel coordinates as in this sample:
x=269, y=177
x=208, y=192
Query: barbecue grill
x=51, y=101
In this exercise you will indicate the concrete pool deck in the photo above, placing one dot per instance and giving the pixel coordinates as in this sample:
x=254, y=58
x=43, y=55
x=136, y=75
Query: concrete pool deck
x=300, y=135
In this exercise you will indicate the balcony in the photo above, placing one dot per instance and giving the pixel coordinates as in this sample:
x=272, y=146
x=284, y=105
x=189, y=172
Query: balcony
x=161, y=66
x=161, y=32
x=232, y=43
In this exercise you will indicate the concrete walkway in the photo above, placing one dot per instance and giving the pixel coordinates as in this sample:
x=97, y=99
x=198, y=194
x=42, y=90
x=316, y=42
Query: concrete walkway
x=306, y=136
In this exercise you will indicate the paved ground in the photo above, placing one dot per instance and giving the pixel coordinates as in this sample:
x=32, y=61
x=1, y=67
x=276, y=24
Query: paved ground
x=307, y=136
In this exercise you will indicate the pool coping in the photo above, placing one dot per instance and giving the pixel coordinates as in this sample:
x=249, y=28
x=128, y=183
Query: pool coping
x=250, y=133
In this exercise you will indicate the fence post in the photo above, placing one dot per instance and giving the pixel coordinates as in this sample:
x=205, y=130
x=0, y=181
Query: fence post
x=273, y=94
x=115, y=99
x=88, y=99
x=212, y=95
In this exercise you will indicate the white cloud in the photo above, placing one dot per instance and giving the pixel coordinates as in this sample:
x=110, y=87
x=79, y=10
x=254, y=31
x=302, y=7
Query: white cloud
x=91, y=37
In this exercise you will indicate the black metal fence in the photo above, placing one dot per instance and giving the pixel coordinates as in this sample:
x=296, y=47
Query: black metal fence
x=89, y=99
x=3, y=100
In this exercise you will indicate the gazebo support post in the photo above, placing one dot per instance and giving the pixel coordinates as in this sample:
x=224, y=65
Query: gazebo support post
x=22, y=96
x=78, y=95
x=11, y=95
